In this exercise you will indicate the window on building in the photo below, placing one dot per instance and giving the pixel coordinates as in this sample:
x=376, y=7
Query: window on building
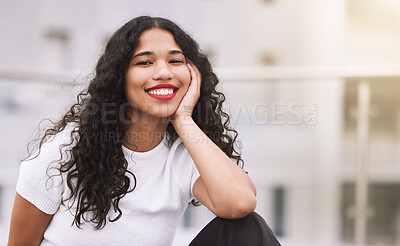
x=268, y=1
x=384, y=123
x=383, y=224
x=279, y=205
x=57, y=53
x=267, y=59
x=383, y=208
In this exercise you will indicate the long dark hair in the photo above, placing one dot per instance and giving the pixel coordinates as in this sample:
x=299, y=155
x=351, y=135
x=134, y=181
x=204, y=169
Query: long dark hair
x=97, y=173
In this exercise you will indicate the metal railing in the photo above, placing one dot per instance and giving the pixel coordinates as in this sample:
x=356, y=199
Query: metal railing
x=228, y=74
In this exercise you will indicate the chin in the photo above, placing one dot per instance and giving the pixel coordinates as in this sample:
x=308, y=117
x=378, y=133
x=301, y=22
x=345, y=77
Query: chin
x=164, y=114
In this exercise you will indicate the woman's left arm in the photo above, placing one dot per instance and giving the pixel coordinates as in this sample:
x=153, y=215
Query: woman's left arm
x=223, y=187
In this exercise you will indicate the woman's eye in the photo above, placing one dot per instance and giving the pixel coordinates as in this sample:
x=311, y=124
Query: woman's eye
x=143, y=63
x=176, y=61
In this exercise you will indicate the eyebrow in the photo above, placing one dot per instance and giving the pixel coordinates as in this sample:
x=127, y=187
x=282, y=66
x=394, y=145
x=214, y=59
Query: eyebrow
x=149, y=53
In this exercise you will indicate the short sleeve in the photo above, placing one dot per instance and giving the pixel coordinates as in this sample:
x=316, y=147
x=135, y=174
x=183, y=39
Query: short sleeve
x=39, y=180
x=195, y=176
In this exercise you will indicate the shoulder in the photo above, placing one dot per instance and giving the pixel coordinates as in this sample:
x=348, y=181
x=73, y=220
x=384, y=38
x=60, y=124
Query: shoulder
x=54, y=146
x=40, y=181
x=68, y=134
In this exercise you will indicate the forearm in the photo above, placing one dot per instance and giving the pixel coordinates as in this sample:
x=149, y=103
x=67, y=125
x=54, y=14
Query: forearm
x=226, y=183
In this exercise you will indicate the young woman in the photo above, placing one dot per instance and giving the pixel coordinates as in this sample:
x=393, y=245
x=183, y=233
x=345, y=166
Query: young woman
x=146, y=138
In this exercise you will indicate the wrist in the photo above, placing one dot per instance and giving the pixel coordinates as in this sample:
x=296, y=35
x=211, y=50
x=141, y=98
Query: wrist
x=184, y=125
x=182, y=121
x=188, y=130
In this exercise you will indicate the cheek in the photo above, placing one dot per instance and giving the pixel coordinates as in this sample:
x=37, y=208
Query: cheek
x=184, y=76
x=134, y=80
x=129, y=79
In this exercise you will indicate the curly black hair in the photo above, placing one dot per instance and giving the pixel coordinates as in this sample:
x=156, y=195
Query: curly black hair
x=97, y=173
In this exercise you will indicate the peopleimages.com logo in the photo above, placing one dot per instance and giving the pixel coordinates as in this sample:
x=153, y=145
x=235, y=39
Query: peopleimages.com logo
x=250, y=114
x=273, y=114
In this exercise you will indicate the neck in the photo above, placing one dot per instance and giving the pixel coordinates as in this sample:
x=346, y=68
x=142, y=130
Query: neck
x=145, y=133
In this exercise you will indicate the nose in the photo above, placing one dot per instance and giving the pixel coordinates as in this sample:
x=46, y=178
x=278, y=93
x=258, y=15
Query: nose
x=162, y=72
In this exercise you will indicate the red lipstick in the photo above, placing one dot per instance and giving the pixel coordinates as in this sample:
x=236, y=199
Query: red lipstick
x=162, y=91
x=159, y=86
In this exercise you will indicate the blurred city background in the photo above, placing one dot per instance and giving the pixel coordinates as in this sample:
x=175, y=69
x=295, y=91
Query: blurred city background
x=312, y=87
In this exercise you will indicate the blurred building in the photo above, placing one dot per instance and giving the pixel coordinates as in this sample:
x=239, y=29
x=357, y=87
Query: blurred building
x=298, y=76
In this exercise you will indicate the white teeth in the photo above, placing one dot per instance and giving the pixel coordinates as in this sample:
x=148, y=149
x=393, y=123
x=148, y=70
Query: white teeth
x=162, y=92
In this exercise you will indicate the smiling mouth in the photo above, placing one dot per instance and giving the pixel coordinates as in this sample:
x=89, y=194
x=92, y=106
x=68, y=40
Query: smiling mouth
x=162, y=93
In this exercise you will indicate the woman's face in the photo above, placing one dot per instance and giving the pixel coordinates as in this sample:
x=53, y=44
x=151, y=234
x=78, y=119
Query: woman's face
x=157, y=77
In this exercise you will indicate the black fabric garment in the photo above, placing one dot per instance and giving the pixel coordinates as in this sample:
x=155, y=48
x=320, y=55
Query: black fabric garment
x=251, y=230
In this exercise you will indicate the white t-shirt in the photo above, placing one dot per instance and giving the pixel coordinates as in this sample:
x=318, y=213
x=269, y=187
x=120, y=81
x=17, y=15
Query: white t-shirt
x=150, y=213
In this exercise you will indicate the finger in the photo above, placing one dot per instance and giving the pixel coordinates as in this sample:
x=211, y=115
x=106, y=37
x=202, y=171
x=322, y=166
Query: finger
x=191, y=70
x=196, y=71
x=197, y=77
x=192, y=74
